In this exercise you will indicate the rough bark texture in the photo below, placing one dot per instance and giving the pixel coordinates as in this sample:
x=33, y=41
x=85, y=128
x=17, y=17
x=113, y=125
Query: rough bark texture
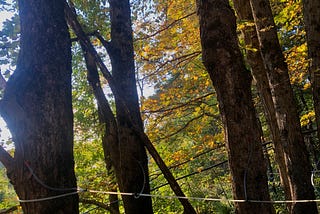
x=312, y=24
x=38, y=110
x=132, y=164
x=112, y=123
x=106, y=117
x=296, y=155
x=223, y=60
x=259, y=73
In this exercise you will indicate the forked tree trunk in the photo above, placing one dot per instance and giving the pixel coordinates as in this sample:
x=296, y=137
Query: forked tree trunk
x=132, y=168
x=126, y=139
x=259, y=73
x=38, y=110
x=224, y=62
x=311, y=12
x=296, y=155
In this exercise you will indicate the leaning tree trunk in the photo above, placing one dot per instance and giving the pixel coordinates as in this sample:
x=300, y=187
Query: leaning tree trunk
x=107, y=119
x=259, y=73
x=132, y=165
x=128, y=117
x=224, y=62
x=312, y=24
x=38, y=110
x=296, y=155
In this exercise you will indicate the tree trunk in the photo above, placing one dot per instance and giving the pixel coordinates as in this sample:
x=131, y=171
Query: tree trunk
x=130, y=121
x=38, y=110
x=296, y=155
x=132, y=164
x=223, y=60
x=259, y=72
x=106, y=118
x=311, y=10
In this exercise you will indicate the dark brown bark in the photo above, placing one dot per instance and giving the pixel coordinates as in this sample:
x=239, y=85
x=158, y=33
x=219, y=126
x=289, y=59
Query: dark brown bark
x=38, y=110
x=311, y=11
x=131, y=122
x=10, y=210
x=259, y=72
x=127, y=152
x=296, y=155
x=223, y=60
x=106, y=117
x=132, y=165
x=96, y=203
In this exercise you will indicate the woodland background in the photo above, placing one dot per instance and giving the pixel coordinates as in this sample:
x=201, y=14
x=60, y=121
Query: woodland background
x=178, y=104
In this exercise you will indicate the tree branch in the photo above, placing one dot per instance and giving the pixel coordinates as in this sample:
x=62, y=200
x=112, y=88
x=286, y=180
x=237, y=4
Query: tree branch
x=6, y=159
x=3, y=82
x=181, y=128
x=180, y=105
x=94, y=202
x=10, y=210
x=165, y=170
x=105, y=43
x=193, y=173
x=166, y=27
x=156, y=174
x=86, y=45
x=178, y=60
x=76, y=39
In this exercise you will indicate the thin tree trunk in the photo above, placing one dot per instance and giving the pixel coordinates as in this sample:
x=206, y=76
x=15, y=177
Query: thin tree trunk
x=133, y=161
x=224, y=62
x=110, y=142
x=311, y=12
x=259, y=72
x=37, y=107
x=296, y=155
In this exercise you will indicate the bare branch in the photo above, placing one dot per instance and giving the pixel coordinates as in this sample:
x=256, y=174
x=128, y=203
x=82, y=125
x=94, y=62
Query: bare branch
x=193, y=173
x=181, y=128
x=166, y=27
x=94, y=202
x=161, y=110
x=179, y=60
x=10, y=210
x=155, y=174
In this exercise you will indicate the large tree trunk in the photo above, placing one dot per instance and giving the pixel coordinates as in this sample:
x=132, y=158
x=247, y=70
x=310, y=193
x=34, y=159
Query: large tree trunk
x=38, y=110
x=311, y=10
x=223, y=60
x=296, y=155
x=259, y=73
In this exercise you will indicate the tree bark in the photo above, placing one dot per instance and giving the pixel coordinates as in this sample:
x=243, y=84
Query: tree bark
x=37, y=107
x=259, y=73
x=135, y=123
x=311, y=10
x=296, y=155
x=223, y=60
x=110, y=142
